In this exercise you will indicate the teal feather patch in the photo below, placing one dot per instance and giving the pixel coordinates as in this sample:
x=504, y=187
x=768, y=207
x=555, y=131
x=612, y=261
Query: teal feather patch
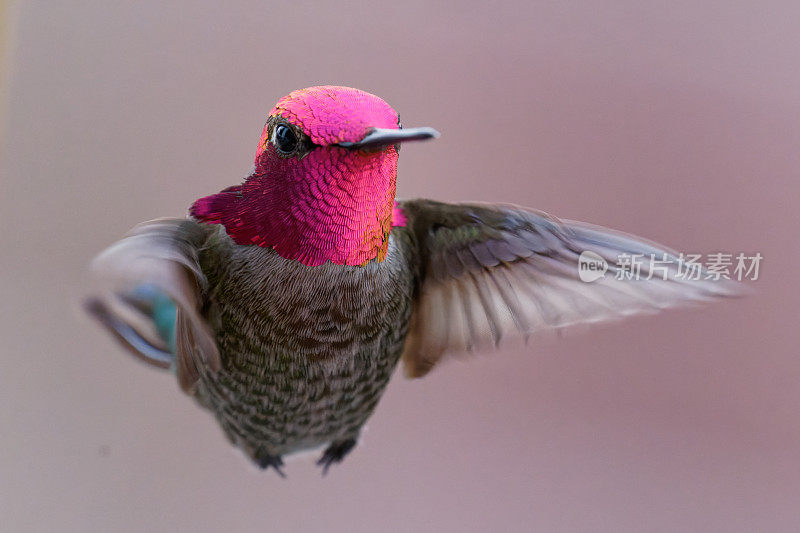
x=162, y=312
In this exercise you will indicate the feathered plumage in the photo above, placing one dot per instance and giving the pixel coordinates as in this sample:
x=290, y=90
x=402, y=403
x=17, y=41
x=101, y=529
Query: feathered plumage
x=284, y=304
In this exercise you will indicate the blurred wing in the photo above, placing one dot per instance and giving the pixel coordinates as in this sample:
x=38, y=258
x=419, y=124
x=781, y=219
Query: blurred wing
x=491, y=270
x=156, y=261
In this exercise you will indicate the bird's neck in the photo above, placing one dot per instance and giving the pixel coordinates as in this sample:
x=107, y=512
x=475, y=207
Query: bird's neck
x=314, y=212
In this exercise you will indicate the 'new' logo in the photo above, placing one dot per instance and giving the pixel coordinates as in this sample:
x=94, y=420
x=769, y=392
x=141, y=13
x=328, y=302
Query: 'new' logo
x=591, y=266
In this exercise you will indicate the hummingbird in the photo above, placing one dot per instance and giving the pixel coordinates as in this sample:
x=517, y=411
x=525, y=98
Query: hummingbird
x=283, y=304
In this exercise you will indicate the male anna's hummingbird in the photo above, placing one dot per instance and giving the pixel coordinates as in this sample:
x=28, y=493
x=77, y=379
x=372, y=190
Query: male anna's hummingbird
x=284, y=304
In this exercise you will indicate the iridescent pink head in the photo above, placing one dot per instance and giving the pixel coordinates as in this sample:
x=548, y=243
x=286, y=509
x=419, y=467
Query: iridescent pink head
x=324, y=181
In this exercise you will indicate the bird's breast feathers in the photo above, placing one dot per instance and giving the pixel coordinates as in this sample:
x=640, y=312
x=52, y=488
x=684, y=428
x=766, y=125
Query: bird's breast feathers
x=258, y=300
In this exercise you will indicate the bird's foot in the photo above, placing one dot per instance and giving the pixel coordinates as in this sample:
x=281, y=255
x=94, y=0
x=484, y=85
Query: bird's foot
x=266, y=460
x=335, y=453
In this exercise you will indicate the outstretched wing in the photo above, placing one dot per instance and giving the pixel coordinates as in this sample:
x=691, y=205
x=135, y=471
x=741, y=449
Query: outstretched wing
x=154, y=308
x=488, y=270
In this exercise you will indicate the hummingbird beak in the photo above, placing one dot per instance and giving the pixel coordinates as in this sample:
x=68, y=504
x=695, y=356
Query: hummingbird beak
x=380, y=137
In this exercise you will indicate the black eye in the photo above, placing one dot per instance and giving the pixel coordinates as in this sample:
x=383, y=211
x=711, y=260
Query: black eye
x=285, y=139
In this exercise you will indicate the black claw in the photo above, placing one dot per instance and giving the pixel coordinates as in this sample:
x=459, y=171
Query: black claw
x=266, y=460
x=335, y=453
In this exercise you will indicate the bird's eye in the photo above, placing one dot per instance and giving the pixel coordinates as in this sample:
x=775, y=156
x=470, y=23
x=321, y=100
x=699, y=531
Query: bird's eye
x=285, y=139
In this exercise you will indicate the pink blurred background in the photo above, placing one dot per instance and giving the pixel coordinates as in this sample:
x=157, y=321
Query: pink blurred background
x=679, y=121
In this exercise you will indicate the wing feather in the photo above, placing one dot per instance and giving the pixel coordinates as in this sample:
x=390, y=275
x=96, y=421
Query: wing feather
x=492, y=271
x=161, y=253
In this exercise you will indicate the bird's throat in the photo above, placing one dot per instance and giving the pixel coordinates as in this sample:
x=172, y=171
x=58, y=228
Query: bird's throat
x=330, y=206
